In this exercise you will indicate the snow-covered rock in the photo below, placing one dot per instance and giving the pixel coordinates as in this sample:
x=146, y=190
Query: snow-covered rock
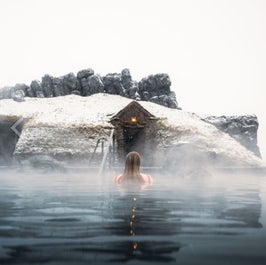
x=70, y=126
x=243, y=128
x=155, y=88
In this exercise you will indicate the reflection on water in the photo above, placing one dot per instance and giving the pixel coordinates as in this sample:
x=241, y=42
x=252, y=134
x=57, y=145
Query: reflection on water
x=146, y=226
x=77, y=219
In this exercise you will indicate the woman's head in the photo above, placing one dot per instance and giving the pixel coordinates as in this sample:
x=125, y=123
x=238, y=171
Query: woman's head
x=132, y=166
x=132, y=161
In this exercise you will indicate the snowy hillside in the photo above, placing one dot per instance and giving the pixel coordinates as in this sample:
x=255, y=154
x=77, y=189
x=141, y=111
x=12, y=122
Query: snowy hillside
x=62, y=114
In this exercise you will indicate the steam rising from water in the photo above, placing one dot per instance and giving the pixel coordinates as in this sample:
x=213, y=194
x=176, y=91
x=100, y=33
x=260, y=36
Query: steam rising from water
x=179, y=216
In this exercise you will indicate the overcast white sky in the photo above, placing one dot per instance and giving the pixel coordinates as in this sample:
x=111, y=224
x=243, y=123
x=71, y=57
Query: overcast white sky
x=213, y=50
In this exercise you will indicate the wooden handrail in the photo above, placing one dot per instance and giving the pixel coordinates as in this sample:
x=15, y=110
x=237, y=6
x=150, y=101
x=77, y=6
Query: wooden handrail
x=106, y=152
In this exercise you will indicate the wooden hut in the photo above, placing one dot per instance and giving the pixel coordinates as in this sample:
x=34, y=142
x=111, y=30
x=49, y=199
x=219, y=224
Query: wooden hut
x=134, y=131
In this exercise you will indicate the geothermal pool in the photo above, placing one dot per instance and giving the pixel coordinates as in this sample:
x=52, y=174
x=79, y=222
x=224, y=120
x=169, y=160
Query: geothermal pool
x=79, y=218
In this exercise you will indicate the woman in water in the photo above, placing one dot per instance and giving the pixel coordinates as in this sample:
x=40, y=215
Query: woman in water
x=132, y=172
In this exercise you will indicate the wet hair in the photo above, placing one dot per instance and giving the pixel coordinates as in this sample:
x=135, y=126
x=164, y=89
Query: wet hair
x=132, y=168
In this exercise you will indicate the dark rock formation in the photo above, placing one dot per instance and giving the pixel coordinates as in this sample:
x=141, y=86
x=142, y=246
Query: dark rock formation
x=8, y=137
x=58, y=86
x=17, y=92
x=154, y=88
x=155, y=85
x=84, y=87
x=69, y=83
x=88, y=83
x=65, y=85
x=113, y=84
x=131, y=88
x=30, y=93
x=85, y=73
x=166, y=100
x=36, y=88
x=5, y=92
x=47, y=85
x=22, y=87
x=95, y=84
x=242, y=128
x=19, y=96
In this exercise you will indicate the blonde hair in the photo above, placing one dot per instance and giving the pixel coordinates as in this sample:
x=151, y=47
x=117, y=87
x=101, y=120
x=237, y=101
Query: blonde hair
x=132, y=168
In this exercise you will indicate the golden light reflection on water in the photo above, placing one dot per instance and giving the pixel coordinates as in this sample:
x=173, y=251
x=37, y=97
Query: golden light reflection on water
x=135, y=245
x=131, y=224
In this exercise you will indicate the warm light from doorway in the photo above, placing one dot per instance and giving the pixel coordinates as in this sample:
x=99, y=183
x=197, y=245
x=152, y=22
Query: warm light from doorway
x=133, y=119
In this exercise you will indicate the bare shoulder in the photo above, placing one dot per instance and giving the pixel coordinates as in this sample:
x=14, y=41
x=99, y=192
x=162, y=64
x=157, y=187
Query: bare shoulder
x=117, y=178
x=147, y=178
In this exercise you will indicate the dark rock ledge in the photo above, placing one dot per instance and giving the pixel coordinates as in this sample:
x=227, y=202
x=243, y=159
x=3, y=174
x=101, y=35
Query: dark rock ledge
x=154, y=88
x=241, y=128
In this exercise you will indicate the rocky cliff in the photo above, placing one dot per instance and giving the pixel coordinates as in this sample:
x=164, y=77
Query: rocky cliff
x=9, y=135
x=155, y=88
x=242, y=128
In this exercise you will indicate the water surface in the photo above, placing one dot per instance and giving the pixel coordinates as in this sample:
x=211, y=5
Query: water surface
x=85, y=219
